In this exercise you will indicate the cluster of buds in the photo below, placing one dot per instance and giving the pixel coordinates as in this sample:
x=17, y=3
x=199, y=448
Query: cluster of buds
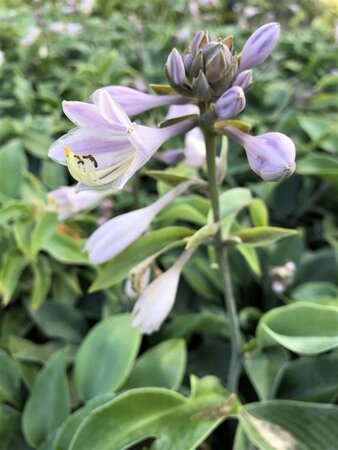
x=211, y=71
x=282, y=276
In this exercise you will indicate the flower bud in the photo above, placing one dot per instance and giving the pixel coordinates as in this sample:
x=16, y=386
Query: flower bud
x=175, y=68
x=231, y=103
x=259, y=45
x=219, y=64
x=197, y=65
x=243, y=80
x=270, y=155
x=201, y=88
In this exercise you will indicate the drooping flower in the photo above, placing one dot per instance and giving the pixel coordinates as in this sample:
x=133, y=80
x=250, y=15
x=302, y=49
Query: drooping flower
x=158, y=298
x=67, y=202
x=259, y=46
x=106, y=148
x=135, y=102
x=231, y=103
x=270, y=155
x=117, y=233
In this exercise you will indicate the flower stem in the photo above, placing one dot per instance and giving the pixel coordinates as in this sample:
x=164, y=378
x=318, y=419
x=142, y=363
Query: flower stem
x=222, y=256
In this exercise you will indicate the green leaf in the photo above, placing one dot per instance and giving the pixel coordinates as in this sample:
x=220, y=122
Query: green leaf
x=258, y=213
x=261, y=236
x=23, y=236
x=175, y=421
x=318, y=381
x=320, y=165
x=41, y=282
x=13, y=163
x=48, y=404
x=14, y=264
x=317, y=292
x=9, y=427
x=303, y=328
x=202, y=235
x=181, y=211
x=251, y=258
x=106, y=356
x=173, y=179
x=286, y=424
x=243, y=126
x=65, y=249
x=262, y=367
x=118, y=268
x=43, y=231
x=9, y=380
x=161, y=366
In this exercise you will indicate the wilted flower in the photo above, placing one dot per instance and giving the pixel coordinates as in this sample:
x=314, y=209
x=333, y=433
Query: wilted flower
x=135, y=102
x=270, y=155
x=259, y=45
x=158, y=298
x=282, y=276
x=231, y=103
x=117, y=233
x=107, y=148
x=67, y=201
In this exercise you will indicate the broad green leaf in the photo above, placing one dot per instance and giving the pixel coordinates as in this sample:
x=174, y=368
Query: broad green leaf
x=233, y=200
x=106, y=356
x=260, y=236
x=10, y=428
x=303, y=328
x=48, y=404
x=181, y=211
x=43, y=231
x=65, y=249
x=15, y=209
x=309, y=379
x=160, y=366
x=41, y=282
x=317, y=292
x=13, y=163
x=15, y=321
x=259, y=213
x=14, y=264
x=9, y=379
x=25, y=350
x=320, y=165
x=23, y=236
x=287, y=424
x=67, y=430
x=118, y=268
x=262, y=367
x=175, y=421
x=60, y=321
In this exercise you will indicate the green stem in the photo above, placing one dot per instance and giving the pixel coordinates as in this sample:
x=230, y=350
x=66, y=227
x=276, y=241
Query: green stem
x=222, y=256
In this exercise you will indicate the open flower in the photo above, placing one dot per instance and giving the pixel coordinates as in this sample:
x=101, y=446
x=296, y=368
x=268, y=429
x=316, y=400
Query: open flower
x=117, y=233
x=107, y=148
x=67, y=201
x=270, y=155
x=158, y=298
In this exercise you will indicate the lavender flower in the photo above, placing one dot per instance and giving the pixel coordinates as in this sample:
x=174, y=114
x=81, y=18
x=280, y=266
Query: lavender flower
x=135, y=102
x=158, y=298
x=231, y=103
x=270, y=155
x=67, y=202
x=117, y=233
x=107, y=148
x=259, y=45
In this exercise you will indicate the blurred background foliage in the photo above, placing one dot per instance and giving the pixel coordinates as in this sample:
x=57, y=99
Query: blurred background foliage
x=55, y=50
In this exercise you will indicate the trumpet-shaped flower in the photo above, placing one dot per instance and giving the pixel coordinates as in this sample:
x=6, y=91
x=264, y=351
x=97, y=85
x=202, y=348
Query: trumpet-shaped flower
x=67, y=201
x=106, y=148
x=135, y=102
x=270, y=155
x=158, y=298
x=117, y=233
x=259, y=46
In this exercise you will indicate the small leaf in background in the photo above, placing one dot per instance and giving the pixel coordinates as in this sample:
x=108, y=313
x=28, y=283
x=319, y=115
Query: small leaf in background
x=13, y=163
x=320, y=165
x=303, y=328
x=251, y=258
x=9, y=380
x=43, y=231
x=106, y=357
x=202, y=235
x=65, y=249
x=317, y=292
x=145, y=413
x=10, y=434
x=161, y=366
x=14, y=264
x=48, y=404
x=260, y=236
x=318, y=381
x=41, y=282
x=286, y=424
x=259, y=213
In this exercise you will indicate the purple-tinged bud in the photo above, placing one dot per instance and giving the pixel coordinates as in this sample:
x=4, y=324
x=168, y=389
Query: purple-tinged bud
x=259, y=45
x=197, y=65
x=243, y=80
x=175, y=68
x=231, y=103
x=201, y=88
x=270, y=155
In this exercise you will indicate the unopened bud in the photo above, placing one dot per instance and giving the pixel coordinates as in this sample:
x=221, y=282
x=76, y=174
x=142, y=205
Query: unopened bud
x=231, y=103
x=243, y=80
x=201, y=88
x=175, y=68
x=259, y=45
